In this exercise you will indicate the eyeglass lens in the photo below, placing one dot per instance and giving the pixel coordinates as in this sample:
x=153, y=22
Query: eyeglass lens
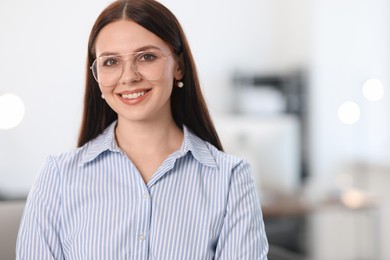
x=107, y=70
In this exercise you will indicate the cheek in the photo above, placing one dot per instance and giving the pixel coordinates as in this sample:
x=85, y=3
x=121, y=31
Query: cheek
x=107, y=96
x=171, y=66
x=104, y=91
x=167, y=87
x=167, y=78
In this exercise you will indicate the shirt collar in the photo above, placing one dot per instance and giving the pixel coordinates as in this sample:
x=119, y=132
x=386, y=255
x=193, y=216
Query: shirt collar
x=105, y=141
x=199, y=148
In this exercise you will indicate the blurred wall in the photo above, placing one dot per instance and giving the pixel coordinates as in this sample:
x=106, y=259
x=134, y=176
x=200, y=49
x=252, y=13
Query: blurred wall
x=42, y=53
x=350, y=44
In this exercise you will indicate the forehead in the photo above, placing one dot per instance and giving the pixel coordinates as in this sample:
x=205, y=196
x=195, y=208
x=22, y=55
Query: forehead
x=125, y=36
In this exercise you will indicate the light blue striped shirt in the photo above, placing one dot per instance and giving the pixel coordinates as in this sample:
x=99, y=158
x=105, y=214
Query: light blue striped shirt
x=92, y=203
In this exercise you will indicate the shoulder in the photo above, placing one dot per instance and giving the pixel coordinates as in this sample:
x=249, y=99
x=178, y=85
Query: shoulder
x=226, y=160
x=88, y=152
x=223, y=157
x=209, y=155
x=67, y=159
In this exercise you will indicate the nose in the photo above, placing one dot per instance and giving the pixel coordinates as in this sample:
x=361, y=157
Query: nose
x=129, y=74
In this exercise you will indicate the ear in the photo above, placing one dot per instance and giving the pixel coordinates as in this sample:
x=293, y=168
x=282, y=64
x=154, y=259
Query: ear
x=179, y=70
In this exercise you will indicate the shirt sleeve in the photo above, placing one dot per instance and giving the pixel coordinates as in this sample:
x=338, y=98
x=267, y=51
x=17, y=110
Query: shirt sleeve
x=243, y=234
x=38, y=236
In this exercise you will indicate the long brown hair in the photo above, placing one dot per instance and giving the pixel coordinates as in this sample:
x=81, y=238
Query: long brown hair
x=187, y=103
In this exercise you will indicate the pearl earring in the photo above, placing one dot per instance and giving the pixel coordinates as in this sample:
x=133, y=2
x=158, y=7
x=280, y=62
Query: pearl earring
x=102, y=96
x=180, y=84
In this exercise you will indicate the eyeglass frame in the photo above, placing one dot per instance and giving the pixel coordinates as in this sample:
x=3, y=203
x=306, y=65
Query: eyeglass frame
x=132, y=64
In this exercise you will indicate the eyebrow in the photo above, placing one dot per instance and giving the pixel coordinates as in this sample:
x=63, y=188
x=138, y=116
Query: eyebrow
x=143, y=48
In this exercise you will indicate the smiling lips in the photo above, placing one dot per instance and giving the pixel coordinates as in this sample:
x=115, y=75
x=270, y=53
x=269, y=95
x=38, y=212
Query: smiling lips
x=134, y=97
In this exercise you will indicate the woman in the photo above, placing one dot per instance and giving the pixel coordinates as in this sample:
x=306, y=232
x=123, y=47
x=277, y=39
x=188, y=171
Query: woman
x=149, y=179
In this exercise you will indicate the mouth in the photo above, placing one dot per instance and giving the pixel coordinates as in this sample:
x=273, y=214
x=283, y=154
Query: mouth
x=134, y=95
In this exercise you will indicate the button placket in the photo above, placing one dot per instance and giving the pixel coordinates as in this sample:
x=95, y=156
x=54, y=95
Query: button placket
x=145, y=205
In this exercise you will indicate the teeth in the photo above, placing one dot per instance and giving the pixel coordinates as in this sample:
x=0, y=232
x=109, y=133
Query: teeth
x=134, y=95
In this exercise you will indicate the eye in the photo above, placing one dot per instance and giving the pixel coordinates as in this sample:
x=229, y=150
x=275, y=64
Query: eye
x=110, y=61
x=147, y=57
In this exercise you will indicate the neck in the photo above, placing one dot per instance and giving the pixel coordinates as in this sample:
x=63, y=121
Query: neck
x=145, y=138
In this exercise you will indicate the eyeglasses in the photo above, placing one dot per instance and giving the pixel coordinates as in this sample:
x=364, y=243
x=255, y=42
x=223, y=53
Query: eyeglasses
x=150, y=65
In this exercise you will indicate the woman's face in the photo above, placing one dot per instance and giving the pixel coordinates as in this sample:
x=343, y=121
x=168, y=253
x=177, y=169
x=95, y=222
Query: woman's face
x=141, y=96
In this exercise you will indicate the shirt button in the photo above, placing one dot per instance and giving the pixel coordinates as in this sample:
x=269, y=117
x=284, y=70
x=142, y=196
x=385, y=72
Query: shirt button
x=142, y=237
x=145, y=196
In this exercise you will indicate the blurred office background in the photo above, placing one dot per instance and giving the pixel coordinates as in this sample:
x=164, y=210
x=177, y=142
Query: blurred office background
x=298, y=88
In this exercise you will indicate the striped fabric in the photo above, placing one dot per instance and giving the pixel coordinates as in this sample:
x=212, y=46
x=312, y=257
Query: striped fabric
x=92, y=203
